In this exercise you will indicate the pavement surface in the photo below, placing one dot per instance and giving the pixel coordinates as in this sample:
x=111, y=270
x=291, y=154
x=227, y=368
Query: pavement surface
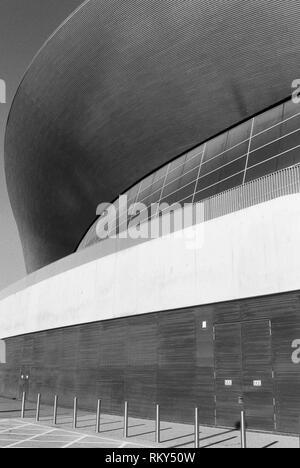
x=26, y=433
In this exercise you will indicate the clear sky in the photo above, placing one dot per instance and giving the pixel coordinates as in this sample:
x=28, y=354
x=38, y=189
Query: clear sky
x=24, y=27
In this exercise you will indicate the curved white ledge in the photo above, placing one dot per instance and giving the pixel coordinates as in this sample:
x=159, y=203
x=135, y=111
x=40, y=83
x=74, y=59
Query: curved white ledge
x=249, y=253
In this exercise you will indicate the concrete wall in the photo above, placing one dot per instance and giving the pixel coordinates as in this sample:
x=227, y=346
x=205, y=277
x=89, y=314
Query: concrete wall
x=245, y=254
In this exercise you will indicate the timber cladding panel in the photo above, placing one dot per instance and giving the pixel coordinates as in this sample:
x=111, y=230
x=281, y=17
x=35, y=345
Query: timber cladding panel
x=206, y=356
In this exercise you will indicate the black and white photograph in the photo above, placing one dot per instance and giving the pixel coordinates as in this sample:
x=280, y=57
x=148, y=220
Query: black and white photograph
x=150, y=226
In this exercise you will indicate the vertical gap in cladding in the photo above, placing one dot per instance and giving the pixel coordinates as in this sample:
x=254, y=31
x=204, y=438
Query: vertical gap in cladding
x=249, y=148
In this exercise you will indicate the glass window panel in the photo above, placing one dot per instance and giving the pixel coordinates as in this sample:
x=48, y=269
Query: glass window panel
x=154, y=189
x=267, y=119
x=239, y=134
x=193, y=163
x=141, y=215
x=238, y=157
x=206, y=193
x=179, y=183
x=208, y=180
x=215, y=147
x=145, y=193
x=235, y=153
x=274, y=149
x=230, y=183
x=226, y=156
x=160, y=174
x=291, y=125
x=153, y=198
x=228, y=169
x=157, y=186
x=196, y=152
x=189, y=177
x=288, y=159
x=180, y=194
x=290, y=141
x=132, y=193
x=266, y=137
x=261, y=170
x=290, y=109
x=147, y=182
x=261, y=155
x=233, y=168
x=174, y=175
x=210, y=166
x=177, y=162
x=172, y=187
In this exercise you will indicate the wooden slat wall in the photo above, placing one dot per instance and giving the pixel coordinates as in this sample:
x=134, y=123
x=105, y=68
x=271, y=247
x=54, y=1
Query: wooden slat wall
x=286, y=329
x=205, y=382
x=170, y=358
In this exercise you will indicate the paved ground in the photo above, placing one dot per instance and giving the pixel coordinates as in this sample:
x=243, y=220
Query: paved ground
x=25, y=433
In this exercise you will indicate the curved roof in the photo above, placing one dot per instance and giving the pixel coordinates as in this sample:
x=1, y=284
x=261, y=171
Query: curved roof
x=123, y=87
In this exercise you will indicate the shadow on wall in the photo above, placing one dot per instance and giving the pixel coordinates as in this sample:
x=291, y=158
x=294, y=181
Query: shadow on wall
x=2, y=352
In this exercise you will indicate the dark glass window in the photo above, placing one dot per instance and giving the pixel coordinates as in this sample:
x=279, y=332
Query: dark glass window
x=272, y=150
x=232, y=182
x=180, y=194
x=291, y=125
x=239, y=134
x=185, y=179
x=233, y=168
x=215, y=147
x=175, y=174
x=290, y=109
x=193, y=162
x=177, y=162
x=288, y=159
x=267, y=119
x=132, y=193
x=261, y=170
x=266, y=137
x=261, y=155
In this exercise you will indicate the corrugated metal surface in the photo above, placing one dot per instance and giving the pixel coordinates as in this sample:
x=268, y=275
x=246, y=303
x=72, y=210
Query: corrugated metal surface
x=122, y=88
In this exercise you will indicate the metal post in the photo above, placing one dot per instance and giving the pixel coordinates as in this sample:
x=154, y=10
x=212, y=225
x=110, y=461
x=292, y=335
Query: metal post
x=157, y=429
x=23, y=405
x=55, y=410
x=196, y=428
x=243, y=430
x=75, y=413
x=38, y=408
x=98, y=417
x=126, y=420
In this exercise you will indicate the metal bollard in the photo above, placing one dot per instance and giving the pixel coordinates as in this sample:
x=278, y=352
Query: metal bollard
x=98, y=417
x=55, y=410
x=157, y=428
x=126, y=420
x=196, y=427
x=23, y=405
x=38, y=408
x=75, y=413
x=243, y=430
